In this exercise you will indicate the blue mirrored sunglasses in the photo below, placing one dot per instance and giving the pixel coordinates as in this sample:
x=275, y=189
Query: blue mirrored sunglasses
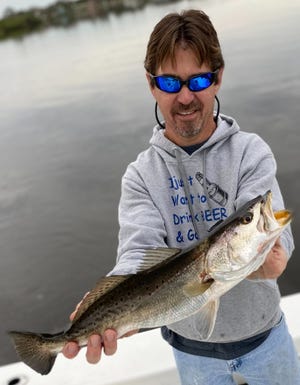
x=195, y=83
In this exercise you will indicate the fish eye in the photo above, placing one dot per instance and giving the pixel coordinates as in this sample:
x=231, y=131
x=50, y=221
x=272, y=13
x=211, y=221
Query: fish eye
x=247, y=218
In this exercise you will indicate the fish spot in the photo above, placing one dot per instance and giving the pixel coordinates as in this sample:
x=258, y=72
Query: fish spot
x=263, y=316
x=222, y=335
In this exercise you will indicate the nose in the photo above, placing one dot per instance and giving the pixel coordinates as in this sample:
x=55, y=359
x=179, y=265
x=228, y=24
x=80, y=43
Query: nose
x=185, y=96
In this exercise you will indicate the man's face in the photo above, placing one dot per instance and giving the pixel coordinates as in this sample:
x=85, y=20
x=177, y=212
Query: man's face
x=188, y=115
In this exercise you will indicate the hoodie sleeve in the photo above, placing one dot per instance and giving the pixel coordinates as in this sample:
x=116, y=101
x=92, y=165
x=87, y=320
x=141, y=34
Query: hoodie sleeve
x=258, y=175
x=141, y=224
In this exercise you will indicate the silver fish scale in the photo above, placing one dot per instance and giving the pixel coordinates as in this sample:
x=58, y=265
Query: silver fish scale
x=163, y=308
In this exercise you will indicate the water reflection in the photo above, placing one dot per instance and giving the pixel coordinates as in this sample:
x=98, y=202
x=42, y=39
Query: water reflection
x=75, y=110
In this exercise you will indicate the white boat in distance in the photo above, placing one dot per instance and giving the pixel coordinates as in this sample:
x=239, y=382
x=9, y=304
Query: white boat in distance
x=143, y=359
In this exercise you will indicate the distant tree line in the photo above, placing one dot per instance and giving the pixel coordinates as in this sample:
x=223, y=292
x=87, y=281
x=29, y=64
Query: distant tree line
x=63, y=13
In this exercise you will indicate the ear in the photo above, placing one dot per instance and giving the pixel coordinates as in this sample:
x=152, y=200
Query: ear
x=219, y=79
x=150, y=83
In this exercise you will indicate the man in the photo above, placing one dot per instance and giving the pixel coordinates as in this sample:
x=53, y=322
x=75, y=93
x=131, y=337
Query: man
x=197, y=171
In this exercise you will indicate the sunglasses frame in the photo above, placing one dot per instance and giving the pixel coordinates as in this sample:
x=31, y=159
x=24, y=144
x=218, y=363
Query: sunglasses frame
x=184, y=82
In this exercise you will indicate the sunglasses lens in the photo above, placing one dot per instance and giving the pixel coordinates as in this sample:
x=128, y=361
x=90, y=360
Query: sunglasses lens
x=201, y=82
x=196, y=83
x=168, y=84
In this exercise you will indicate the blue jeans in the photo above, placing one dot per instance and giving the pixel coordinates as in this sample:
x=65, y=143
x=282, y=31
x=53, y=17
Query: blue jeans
x=274, y=362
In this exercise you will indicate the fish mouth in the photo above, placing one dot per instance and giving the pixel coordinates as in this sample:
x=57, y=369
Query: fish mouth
x=273, y=220
x=283, y=217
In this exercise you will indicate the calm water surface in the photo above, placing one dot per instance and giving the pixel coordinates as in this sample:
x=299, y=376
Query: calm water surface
x=75, y=110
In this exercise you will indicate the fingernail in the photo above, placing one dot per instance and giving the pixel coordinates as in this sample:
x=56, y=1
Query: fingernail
x=109, y=337
x=71, y=349
x=95, y=341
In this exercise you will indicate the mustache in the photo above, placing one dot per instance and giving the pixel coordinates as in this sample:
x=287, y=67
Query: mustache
x=194, y=106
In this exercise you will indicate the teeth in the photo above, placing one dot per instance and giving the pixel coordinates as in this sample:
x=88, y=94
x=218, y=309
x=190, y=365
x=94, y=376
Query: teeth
x=186, y=113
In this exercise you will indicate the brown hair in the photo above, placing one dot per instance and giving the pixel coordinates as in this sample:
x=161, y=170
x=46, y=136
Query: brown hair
x=191, y=29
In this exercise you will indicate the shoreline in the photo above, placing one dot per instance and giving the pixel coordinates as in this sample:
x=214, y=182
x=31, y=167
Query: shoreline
x=64, y=14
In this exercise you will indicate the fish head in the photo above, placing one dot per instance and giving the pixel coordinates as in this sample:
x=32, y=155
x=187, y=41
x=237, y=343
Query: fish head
x=241, y=244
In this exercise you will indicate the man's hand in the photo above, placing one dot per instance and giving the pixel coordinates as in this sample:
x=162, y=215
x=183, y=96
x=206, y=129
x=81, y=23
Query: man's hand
x=96, y=343
x=274, y=264
x=108, y=342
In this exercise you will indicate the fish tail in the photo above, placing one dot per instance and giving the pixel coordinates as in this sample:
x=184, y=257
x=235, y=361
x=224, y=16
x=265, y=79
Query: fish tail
x=34, y=350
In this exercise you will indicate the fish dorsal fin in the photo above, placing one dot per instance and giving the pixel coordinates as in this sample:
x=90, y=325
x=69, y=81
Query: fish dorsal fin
x=102, y=287
x=154, y=257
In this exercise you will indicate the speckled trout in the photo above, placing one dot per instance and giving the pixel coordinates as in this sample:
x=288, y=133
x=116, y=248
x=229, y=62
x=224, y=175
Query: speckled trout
x=171, y=285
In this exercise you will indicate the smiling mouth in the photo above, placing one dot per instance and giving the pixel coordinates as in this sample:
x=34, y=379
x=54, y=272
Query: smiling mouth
x=186, y=113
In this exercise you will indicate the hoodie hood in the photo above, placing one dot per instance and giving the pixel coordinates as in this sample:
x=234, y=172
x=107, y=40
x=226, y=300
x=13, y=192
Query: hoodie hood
x=226, y=127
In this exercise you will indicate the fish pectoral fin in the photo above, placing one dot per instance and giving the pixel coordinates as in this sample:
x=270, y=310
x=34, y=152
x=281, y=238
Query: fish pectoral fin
x=195, y=288
x=207, y=318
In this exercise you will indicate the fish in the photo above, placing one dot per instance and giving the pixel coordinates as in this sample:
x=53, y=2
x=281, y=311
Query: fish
x=170, y=284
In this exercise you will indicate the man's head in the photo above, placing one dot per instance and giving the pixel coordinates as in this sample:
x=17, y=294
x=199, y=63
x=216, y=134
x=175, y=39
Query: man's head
x=191, y=29
x=184, y=67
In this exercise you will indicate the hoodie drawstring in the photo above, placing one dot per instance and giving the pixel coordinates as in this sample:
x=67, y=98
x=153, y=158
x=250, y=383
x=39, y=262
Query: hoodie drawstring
x=184, y=177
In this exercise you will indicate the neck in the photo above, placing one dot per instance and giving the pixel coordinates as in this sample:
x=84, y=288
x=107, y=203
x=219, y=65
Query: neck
x=185, y=141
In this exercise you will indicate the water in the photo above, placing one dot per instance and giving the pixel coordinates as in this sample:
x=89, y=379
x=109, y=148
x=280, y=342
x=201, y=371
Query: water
x=75, y=110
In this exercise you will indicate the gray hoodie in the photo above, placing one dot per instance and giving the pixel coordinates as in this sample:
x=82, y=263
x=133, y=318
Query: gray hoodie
x=170, y=198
